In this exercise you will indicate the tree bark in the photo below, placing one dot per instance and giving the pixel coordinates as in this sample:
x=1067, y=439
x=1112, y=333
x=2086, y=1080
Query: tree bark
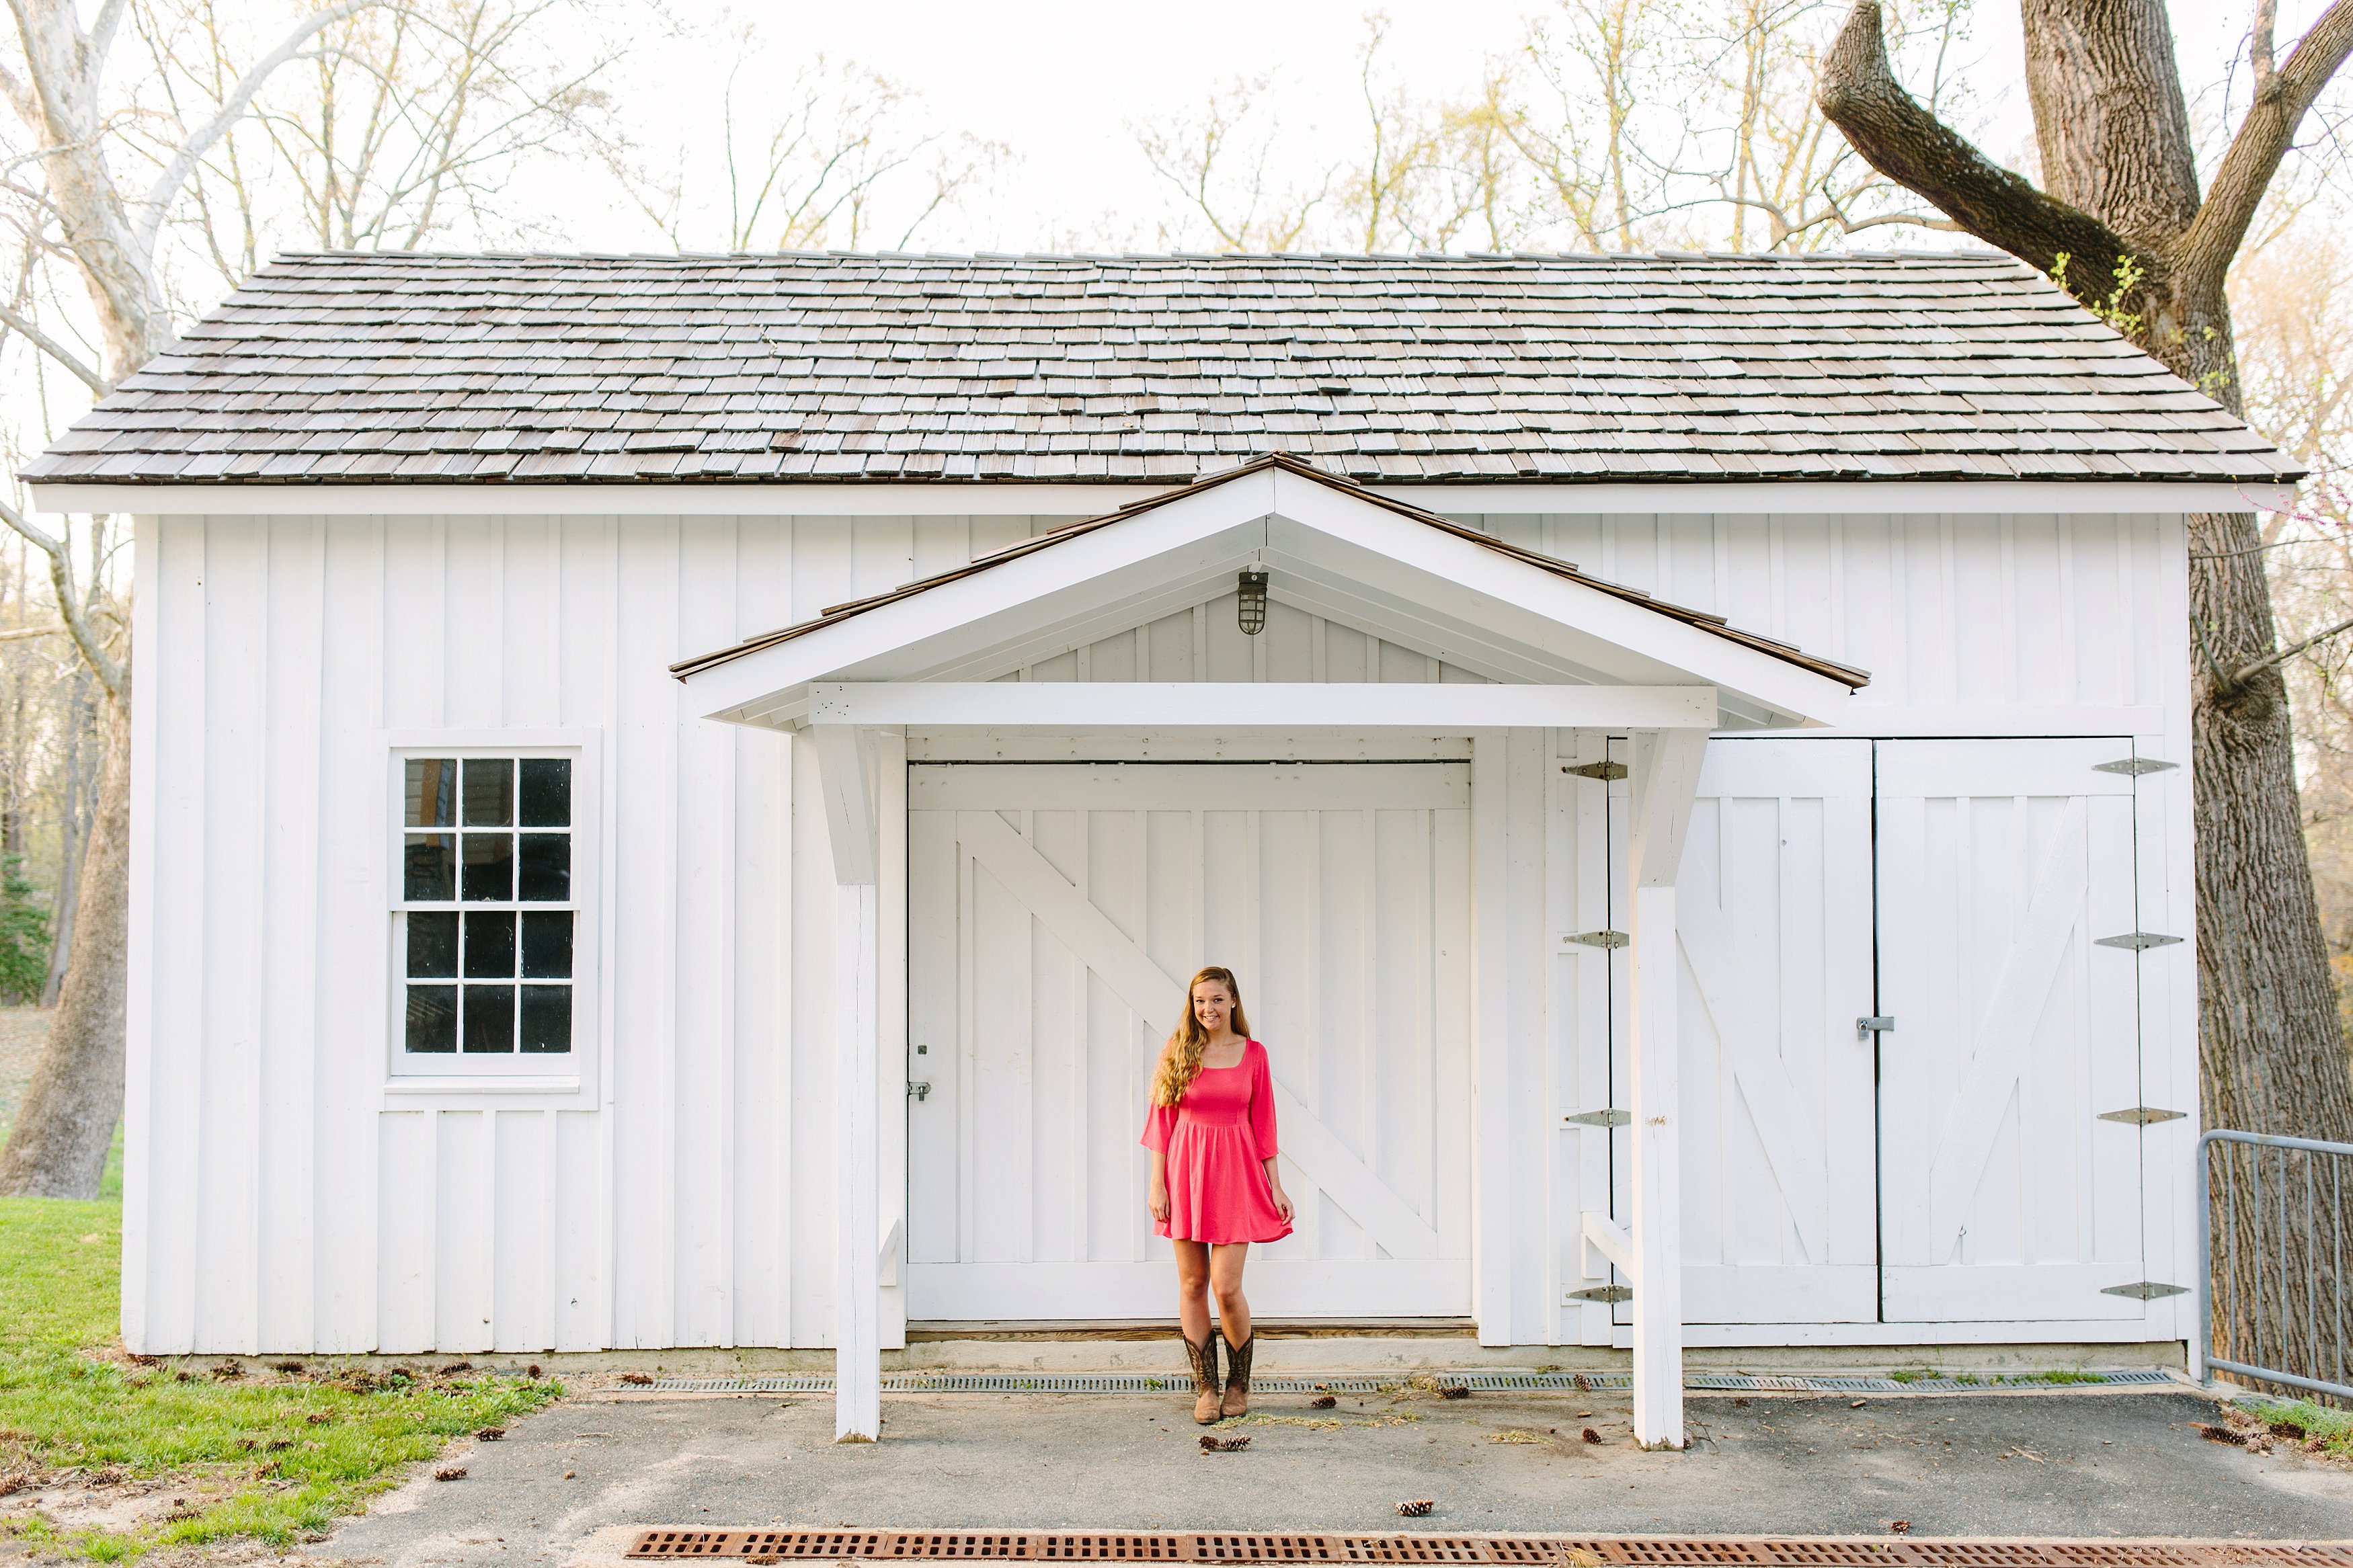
x=63, y=1130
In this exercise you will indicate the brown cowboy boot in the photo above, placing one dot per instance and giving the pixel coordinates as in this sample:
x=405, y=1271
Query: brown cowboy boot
x=1238, y=1371
x=1204, y=1357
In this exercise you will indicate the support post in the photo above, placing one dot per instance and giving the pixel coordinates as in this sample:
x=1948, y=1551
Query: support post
x=1663, y=780
x=845, y=764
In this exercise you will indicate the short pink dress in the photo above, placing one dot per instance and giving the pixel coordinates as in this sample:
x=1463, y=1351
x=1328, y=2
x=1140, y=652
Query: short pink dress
x=1216, y=1139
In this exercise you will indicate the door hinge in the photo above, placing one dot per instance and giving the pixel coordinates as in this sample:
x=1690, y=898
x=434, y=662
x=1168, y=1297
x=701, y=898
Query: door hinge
x=2132, y=767
x=2142, y=1115
x=1608, y=1293
x=921, y=1089
x=1613, y=1116
x=1608, y=773
x=2145, y=1290
x=1600, y=939
x=1874, y=1023
x=2136, y=941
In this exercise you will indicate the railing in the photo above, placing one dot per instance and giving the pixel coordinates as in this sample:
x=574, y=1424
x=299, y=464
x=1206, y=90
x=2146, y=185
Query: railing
x=2271, y=1297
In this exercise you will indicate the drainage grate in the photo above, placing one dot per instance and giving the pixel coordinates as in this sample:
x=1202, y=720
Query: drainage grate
x=1480, y=1382
x=769, y=1546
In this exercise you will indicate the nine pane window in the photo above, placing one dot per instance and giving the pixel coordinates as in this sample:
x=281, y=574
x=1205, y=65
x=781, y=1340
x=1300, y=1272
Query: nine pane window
x=491, y=839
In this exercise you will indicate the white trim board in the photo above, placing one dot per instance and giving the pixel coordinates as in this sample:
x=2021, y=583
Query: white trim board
x=950, y=499
x=1056, y=705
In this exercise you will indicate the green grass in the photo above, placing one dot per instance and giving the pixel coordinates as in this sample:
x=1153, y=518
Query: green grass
x=2301, y=1419
x=274, y=1457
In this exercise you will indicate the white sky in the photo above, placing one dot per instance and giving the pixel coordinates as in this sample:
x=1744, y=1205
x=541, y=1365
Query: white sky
x=1061, y=82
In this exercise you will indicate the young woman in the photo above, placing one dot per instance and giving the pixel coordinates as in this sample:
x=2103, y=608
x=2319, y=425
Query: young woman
x=1215, y=1189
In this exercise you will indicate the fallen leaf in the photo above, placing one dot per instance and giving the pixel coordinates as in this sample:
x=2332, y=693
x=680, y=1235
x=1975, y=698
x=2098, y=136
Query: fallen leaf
x=637, y=1379
x=1740, y=1404
x=453, y=1473
x=1323, y=1402
x=1457, y=1391
x=1417, y=1507
x=491, y=1434
x=1899, y=1527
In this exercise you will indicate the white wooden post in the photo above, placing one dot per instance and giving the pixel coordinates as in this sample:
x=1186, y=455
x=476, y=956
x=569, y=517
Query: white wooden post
x=845, y=764
x=1664, y=777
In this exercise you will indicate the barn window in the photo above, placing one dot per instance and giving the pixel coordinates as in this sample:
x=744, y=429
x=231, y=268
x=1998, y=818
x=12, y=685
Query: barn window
x=488, y=912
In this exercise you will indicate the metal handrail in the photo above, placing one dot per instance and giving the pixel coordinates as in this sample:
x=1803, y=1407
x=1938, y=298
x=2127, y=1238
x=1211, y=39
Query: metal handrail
x=2203, y=1362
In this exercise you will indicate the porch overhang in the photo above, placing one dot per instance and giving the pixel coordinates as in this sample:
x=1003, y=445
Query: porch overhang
x=1330, y=549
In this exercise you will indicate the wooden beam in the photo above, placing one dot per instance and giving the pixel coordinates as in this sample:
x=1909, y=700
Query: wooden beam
x=1661, y=787
x=1066, y=704
x=846, y=768
x=857, y=1280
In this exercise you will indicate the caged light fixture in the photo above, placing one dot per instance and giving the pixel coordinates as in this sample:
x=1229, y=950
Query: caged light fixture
x=1249, y=605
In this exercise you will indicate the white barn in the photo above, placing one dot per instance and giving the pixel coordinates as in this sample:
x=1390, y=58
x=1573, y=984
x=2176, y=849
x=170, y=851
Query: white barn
x=535, y=949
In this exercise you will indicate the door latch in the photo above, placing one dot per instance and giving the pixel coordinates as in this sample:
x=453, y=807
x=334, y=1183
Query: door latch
x=1872, y=1023
x=921, y=1089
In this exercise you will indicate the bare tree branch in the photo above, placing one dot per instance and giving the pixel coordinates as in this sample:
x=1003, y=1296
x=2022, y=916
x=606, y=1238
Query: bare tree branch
x=2263, y=140
x=200, y=140
x=1861, y=95
x=2245, y=673
x=23, y=326
x=71, y=607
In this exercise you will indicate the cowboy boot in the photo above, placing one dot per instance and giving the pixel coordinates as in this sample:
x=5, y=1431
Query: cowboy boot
x=1204, y=1357
x=1238, y=1371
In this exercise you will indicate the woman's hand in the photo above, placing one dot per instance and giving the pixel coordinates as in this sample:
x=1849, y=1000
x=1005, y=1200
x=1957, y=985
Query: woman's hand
x=1282, y=1204
x=1157, y=1202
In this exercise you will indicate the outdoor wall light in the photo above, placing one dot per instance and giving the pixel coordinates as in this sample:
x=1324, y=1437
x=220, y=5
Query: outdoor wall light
x=1250, y=607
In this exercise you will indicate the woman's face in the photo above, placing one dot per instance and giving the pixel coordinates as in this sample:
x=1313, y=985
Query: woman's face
x=1212, y=1005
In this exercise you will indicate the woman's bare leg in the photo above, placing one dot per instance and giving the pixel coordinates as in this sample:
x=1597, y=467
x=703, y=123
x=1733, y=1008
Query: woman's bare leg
x=1193, y=1265
x=1224, y=1283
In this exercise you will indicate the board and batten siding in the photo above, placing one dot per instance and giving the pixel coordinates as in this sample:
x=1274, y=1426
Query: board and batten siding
x=279, y=1196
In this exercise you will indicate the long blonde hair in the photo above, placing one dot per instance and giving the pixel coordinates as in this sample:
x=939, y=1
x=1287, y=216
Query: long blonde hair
x=1180, y=1059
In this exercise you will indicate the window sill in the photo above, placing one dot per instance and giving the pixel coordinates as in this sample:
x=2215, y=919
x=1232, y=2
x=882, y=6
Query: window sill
x=544, y=1083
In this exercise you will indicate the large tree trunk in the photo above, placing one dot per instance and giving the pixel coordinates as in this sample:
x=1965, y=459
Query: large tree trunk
x=59, y=1146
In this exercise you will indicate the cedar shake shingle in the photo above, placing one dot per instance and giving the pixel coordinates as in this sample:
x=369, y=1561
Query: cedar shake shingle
x=718, y=369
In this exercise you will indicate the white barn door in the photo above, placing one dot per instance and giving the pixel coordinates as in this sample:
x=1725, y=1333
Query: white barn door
x=1055, y=911
x=1774, y=914
x=2006, y=871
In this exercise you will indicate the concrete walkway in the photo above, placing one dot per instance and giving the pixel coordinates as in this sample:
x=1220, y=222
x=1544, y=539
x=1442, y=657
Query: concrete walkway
x=575, y=1484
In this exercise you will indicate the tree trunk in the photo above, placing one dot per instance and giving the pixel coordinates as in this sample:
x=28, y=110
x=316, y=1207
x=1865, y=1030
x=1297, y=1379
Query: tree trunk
x=58, y=1147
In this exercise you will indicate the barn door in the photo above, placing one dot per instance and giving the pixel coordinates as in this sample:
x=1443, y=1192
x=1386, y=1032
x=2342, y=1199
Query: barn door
x=1055, y=912
x=1773, y=912
x=2007, y=903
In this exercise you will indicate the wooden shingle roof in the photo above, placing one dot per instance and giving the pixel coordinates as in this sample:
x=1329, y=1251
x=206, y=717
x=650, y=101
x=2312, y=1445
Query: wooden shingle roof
x=340, y=367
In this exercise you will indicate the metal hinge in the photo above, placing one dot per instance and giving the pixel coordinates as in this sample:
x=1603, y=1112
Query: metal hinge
x=1613, y=1116
x=1874, y=1023
x=2136, y=941
x=1600, y=939
x=2145, y=1290
x=2132, y=767
x=1609, y=1293
x=2142, y=1115
x=921, y=1089
x=1608, y=773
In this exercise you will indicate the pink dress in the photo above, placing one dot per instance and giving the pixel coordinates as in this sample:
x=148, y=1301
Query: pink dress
x=1216, y=1139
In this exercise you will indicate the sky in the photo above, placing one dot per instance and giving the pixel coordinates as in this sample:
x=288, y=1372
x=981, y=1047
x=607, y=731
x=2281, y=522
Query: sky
x=1062, y=83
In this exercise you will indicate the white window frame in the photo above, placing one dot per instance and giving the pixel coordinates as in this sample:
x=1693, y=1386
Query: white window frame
x=573, y=1075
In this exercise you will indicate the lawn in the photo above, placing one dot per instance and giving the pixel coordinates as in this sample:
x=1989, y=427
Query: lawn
x=273, y=1453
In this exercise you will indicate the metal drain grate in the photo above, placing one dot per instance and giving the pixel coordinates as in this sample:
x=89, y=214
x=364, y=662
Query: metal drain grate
x=1480, y=1382
x=771, y=1546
